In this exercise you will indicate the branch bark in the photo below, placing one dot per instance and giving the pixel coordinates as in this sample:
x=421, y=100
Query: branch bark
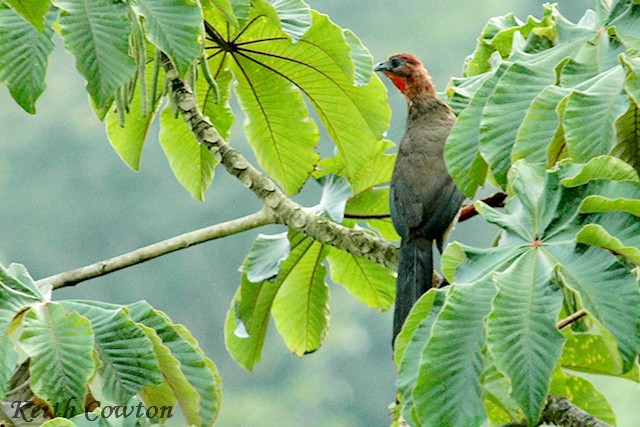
x=496, y=200
x=69, y=278
x=559, y=411
x=355, y=241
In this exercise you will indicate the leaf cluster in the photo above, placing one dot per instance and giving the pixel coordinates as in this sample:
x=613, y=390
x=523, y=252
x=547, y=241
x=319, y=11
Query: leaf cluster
x=83, y=354
x=547, y=112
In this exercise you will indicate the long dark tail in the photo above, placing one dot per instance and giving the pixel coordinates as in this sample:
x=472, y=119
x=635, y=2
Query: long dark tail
x=415, y=272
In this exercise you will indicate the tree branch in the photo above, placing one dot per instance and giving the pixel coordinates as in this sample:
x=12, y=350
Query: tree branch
x=354, y=241
x=69, y=278
x=496, y=200
x=561, y=412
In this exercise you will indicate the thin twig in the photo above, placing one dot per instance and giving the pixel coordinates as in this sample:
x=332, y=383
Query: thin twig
x=496, y=200
x=183, y=241
x=572, y=318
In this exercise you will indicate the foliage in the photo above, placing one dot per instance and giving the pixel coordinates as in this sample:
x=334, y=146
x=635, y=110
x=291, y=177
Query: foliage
x=548, y=111
x=74, y=349
x=543, y=107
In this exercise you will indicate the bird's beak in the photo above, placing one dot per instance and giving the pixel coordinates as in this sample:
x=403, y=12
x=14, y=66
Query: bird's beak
x=382, y=66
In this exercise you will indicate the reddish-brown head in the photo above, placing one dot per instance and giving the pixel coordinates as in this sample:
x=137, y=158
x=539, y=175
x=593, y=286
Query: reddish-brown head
x=408, y=74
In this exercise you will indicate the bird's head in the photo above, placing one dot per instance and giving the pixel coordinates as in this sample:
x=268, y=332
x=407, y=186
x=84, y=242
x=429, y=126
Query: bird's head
x=408, y=74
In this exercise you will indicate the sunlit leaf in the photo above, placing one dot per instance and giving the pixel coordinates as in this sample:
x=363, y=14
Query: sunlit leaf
x=34, y=11
x=192, y=164
x=247, y=321
x=583, y=394
x=371, y=283
x=300, y=309
x=129, y=139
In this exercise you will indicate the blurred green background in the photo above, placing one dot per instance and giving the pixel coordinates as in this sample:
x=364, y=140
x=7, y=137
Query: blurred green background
x=66, y=200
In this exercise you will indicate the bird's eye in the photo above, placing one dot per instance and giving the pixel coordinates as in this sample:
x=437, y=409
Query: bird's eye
x=395, y=62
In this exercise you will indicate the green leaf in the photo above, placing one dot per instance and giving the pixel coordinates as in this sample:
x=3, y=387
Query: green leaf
x=265, y=256
x=222, y=8
x=500, y=407
x=601, y=167
x=218, y=110
x=127, y=360
x=521, y=331
x=595, y=352
x=174, y=27
x=429, y=304
x=199, y=391
x=33, y=12
x=627, y=26
x=590, y=115
x=319, y=65
x=247, y=321
x=506, y=108
x=594, y=274
x=60, y=345
x=539, y=126
x=17, y=296
x=24, y=55
x=371, y=283
x=192, y=164
x=277, y=125
x=497, y=36
x=628, y=137
x=448, y=390
x=8, y=360
x=462, y=152
x=415, y=333
x=300, y=308
x=97, y=33
x=370, y=203
x=582, y=394
x=461, y=90
x=129, y=139
x=596, y=235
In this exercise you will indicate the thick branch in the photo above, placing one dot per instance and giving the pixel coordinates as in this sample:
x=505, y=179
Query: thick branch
x=356, y=242
x=561, y=412
x=70, y=278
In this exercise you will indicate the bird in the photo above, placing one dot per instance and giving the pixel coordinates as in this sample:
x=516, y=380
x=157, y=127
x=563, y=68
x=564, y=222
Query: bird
x=423, y=198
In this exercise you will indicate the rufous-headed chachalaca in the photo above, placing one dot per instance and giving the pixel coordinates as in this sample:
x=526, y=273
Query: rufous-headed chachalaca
x=424, y=199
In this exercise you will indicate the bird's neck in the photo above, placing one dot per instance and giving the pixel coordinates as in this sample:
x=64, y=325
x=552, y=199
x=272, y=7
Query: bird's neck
x=419, y=87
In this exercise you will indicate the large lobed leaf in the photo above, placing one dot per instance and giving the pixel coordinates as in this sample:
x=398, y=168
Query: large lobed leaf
x=537, y=261
x=276, y=65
